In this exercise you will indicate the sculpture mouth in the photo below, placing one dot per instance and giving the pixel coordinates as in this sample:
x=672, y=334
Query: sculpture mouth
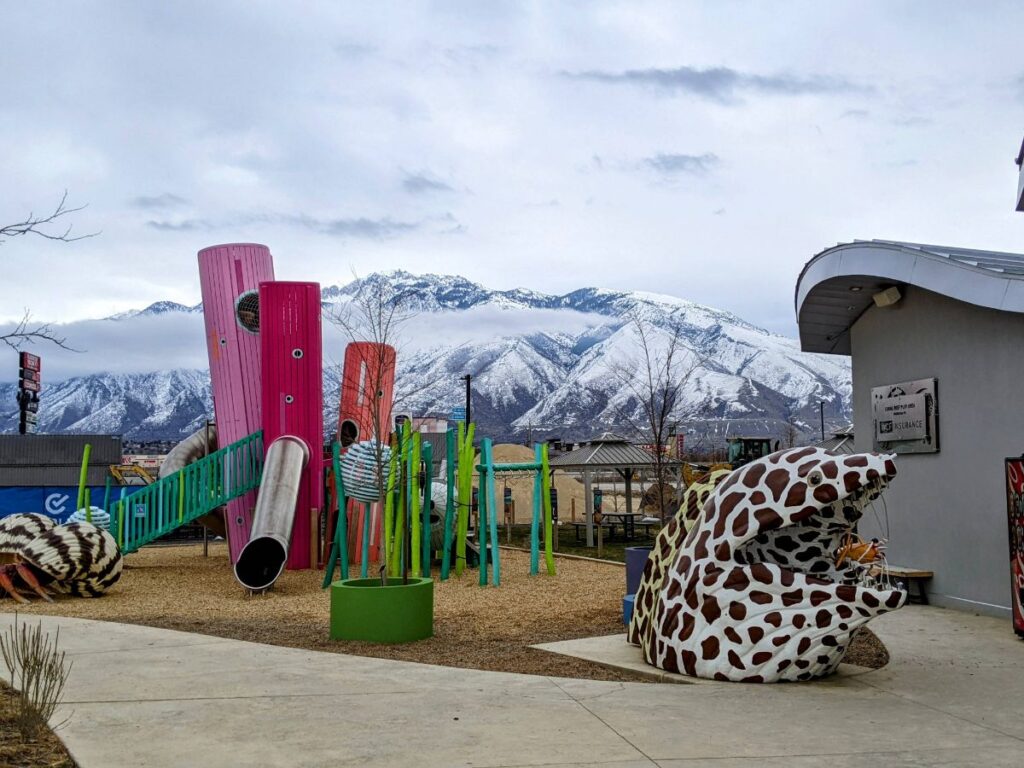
x=823, y=545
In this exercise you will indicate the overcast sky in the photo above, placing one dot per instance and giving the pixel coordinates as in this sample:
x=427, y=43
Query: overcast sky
x=705, y=150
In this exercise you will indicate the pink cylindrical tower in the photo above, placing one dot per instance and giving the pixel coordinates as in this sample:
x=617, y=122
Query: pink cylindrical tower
x=229, y=276
x=293, y=400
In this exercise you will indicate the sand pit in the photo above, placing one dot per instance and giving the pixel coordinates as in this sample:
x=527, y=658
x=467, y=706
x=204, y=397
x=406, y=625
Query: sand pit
x=475, y=627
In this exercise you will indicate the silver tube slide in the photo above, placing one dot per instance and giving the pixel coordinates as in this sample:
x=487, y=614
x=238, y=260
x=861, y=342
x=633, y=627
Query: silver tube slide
x=262, y=560
x=191, y=449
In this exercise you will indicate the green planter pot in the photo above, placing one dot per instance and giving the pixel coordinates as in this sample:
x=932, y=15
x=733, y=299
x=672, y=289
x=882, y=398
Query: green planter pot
x=362, y=609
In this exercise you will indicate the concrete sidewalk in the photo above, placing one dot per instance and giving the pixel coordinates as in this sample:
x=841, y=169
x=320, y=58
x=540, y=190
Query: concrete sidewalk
x=953, y=695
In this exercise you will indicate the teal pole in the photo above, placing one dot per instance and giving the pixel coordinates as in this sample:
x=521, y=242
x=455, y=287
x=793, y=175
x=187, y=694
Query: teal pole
x=339, y=548
x=493, y=518
x=428, y=467
x=449, y=504
x=364, y=568
x=106, y=495
x=538, y=494
x=481, y=534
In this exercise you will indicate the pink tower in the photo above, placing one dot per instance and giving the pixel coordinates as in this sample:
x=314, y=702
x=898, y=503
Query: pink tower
x=293, y=401
x=229, y=276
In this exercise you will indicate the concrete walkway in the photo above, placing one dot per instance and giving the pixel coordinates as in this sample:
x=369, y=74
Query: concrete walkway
x=953, y=695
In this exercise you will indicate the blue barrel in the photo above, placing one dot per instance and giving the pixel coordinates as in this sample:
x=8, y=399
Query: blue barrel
x=636, y=559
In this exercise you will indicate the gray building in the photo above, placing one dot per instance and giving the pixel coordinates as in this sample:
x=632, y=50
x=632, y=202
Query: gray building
x=936, y=337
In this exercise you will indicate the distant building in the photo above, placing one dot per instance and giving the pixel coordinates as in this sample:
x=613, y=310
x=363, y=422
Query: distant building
x=40, y=473
x=936, y=336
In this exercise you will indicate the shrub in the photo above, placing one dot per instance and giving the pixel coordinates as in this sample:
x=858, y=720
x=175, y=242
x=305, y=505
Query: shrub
x=38, y=672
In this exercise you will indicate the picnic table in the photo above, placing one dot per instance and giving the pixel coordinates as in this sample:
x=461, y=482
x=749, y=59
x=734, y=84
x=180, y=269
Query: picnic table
x=610, y=521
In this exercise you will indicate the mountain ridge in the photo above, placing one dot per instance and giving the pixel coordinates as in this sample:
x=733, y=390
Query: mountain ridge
x=551, y=367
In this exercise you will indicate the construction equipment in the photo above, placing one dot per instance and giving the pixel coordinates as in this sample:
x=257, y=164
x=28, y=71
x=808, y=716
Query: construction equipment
x=131, y=474
x=743, y=450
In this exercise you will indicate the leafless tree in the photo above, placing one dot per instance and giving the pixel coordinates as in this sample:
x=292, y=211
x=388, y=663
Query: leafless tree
x=49, y=227
x=379, y=315
x=790, y=434
x=654, y=380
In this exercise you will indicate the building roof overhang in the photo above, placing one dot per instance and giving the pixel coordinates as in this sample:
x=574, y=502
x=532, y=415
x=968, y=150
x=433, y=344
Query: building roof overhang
x=838, y=285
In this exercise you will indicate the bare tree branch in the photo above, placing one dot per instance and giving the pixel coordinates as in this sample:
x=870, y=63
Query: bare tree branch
x=39, y=225
x=27, y=332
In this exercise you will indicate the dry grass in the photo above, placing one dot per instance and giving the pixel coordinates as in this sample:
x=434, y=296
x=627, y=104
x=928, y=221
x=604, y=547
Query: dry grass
x=475, y=627
x=44, y=751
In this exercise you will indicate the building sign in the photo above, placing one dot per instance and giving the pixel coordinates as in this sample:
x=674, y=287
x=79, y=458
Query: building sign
x=903, y=417
x=1015, y=521
x=29, y=377
x=906, y=417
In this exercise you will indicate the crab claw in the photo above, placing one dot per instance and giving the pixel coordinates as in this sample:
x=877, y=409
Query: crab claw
x=30, y=578
x=8, y=586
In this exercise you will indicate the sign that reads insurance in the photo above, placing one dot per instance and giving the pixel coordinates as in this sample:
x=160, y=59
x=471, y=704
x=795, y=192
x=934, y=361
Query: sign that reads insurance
x=903, y=417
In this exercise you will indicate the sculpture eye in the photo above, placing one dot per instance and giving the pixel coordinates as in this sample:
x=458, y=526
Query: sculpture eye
x=814, y=478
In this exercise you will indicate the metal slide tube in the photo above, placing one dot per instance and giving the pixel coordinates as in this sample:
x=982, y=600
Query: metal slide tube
x=189, y=450
x=263, y=558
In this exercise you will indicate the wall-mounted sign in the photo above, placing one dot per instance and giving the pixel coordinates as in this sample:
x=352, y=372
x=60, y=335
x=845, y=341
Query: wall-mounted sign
x=906, y=417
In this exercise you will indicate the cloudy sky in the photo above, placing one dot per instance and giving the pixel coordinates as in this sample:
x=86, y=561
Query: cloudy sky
x=706, y=150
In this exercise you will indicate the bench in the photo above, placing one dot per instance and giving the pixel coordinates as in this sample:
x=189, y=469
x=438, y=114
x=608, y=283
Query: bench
x=911, y=576
x=582, y=527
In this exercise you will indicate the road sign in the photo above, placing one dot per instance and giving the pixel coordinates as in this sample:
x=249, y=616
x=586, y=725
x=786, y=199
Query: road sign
x=458, y=413
x=30, y=361
x=31, y=386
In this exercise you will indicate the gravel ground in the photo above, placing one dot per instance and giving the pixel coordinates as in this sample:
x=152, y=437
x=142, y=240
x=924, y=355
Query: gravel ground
x=474, y=627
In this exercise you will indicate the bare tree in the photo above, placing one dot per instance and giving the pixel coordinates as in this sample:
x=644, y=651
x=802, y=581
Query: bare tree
x=790, y=434
x=50, y=227
x=379, y=315
x=653, y=381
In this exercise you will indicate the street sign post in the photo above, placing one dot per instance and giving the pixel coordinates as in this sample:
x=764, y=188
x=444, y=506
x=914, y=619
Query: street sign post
x=29, y=384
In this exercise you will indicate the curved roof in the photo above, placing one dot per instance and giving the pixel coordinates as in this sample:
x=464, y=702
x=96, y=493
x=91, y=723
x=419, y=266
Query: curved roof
x=836, y=286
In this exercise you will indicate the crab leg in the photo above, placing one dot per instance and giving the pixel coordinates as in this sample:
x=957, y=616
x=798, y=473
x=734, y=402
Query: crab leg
x=33, y=583
x=8, y=586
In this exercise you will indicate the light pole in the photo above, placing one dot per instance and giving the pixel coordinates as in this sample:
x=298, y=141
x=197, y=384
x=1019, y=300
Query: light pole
x=468, y=378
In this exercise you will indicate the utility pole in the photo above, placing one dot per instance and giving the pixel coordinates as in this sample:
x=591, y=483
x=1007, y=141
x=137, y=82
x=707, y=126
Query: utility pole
x=468, y=378
x=821, y=411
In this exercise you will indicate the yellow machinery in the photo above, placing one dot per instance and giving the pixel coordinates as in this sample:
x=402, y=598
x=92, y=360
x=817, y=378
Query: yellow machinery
x=131, y=474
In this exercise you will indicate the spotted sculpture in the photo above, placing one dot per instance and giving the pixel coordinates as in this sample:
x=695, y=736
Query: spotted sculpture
x=37, y=555
x=754, y=594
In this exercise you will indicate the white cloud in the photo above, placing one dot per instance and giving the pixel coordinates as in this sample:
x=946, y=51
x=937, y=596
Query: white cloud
x=237, y=121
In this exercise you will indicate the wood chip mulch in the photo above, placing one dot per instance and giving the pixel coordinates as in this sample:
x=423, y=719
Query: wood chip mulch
x=474, y=627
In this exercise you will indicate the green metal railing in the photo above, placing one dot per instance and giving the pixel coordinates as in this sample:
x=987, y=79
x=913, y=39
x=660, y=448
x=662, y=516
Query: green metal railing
x=190, y=493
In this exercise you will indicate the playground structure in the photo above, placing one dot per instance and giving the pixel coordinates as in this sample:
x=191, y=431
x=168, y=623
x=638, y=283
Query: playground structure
x=263, y=463
x=414, y=535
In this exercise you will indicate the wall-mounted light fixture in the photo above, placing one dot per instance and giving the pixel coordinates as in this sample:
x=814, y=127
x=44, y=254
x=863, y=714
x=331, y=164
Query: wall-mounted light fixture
x=888, y=297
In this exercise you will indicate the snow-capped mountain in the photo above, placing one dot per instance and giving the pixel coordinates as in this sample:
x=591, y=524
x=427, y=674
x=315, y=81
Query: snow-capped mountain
x=541, y=364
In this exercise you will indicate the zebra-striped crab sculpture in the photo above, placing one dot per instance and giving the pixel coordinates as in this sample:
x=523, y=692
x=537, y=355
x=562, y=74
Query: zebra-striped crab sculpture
x=37, y=555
